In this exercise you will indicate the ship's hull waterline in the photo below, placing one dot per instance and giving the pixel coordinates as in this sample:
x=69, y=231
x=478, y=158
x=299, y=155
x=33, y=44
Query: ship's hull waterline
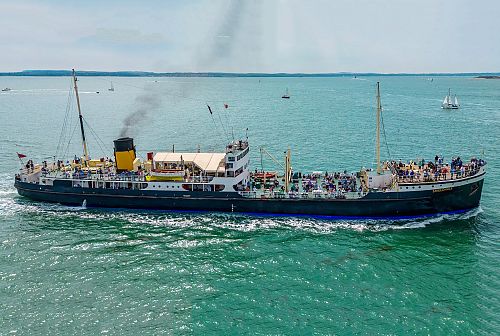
x=391, y=204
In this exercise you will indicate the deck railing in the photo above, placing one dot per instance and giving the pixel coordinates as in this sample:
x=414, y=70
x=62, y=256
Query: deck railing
x=317, y=194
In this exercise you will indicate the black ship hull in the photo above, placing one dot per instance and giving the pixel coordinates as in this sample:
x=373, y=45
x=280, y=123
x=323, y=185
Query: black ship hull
x=447, y=198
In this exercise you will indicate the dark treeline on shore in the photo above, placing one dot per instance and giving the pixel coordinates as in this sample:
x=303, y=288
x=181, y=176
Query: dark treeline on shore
x=229, y=74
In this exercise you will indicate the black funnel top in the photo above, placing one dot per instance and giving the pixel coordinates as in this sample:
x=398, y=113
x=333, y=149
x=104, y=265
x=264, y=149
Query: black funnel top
x=124, y=144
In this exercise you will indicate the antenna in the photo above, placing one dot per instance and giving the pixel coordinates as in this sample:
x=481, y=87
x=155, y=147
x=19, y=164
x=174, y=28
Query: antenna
x=379, y=108
x=85, y=152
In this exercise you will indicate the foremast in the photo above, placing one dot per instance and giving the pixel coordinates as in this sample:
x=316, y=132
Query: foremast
x=80, y=117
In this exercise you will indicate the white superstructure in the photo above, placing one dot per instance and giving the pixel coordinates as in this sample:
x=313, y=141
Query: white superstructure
x=201, y=171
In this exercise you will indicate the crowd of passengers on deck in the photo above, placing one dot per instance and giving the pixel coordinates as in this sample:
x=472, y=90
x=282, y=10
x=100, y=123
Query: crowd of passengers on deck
x=330, y=183
x=334, y=183
x=437, y=170
x=77, y=172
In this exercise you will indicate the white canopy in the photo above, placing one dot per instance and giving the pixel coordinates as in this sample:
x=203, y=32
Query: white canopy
x=208, y=162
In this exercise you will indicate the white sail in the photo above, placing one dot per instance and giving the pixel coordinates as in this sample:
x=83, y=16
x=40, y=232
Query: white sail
x=445, y=101
x=456, y=101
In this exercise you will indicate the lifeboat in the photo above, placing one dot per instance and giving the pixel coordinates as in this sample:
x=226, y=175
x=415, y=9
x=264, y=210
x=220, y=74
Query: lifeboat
x=260, y=176
x=166, y=175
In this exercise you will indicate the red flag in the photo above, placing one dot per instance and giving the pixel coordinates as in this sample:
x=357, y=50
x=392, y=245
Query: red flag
x=19, y=155
x=226, y=106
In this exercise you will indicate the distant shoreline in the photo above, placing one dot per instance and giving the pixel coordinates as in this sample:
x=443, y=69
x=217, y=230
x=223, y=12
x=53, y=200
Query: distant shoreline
x=63, y=73
x=488, y=77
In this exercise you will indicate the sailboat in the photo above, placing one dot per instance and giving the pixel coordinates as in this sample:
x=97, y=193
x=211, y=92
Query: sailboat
x=286, y=95
x=448, y=103
x=111, y=88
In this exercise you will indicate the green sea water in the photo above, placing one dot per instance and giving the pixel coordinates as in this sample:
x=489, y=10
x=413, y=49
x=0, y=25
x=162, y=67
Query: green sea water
x=71, y=270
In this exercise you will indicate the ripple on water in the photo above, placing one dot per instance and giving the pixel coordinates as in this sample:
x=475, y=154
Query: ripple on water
x=184, y=267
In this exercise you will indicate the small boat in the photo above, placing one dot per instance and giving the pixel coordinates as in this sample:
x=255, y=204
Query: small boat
x=6, y=89
x=111, y=88
x=286, y=95
x=448, y=104
x=262, y=176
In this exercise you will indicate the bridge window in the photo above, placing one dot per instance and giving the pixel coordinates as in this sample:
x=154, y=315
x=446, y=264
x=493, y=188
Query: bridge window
x=242, y=154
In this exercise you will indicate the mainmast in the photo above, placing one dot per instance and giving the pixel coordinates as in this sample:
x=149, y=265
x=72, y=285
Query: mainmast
x=379, y=109
x=85, y=152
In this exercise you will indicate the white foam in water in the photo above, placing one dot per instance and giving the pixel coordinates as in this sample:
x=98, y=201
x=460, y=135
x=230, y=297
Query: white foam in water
x=246, y=223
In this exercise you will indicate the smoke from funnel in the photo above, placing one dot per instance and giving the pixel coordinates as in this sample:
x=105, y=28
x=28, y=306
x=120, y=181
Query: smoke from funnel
x=236, y=35
x=146, y=103
x=235, y=41
x=223, y=42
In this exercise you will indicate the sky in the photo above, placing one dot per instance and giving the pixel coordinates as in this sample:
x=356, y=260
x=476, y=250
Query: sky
x=310, y=36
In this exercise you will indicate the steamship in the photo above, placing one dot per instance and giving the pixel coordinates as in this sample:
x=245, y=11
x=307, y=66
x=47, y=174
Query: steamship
x=223, y=182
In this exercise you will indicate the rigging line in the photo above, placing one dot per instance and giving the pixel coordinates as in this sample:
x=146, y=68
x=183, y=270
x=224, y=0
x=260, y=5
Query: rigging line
x=223, y=128
x=65, y=124
x=65, y=130
x=62, y=129
x=261, y=159
x=95, y=135
x=70, y=139
x=71, y=109
x=69, y=142
x=385, y=137
x=213, y=120
x=229, y=119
